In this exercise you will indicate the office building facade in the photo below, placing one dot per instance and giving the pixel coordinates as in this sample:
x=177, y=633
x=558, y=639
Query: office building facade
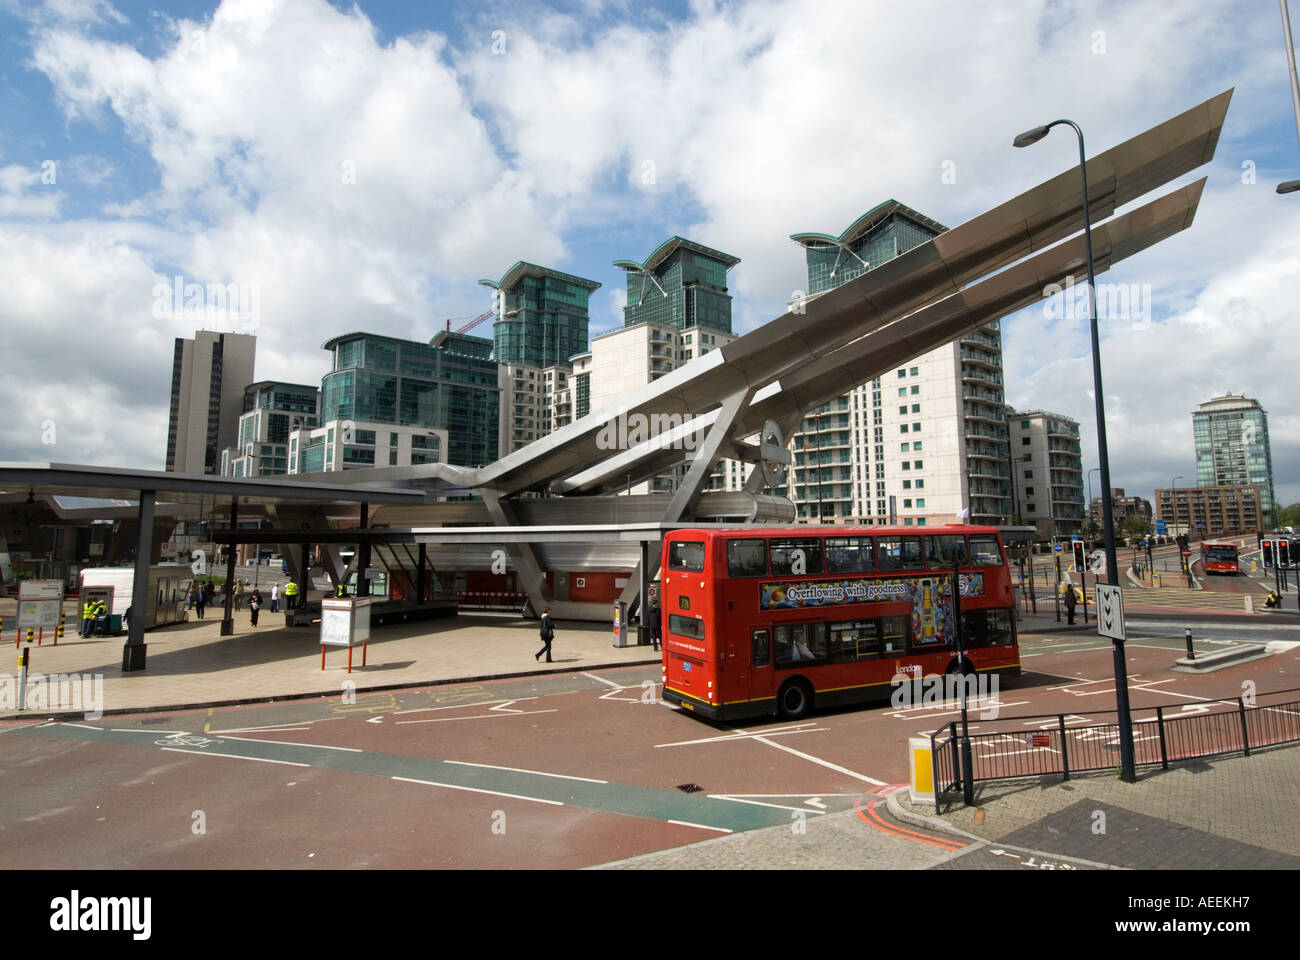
x=209, y=374
x=390, y=402
x=272, y=411
x=1232, y=448
x=1212, y=511
x=541, y=316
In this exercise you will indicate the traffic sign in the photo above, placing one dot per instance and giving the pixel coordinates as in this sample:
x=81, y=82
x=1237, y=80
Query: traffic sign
x=1110, y=611
x=1058, y=547
x=1160, y=527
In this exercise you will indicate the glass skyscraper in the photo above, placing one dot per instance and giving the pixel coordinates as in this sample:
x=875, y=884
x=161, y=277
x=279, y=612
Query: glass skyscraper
x=1231, y=435
x=682, y=284
x=541, y=315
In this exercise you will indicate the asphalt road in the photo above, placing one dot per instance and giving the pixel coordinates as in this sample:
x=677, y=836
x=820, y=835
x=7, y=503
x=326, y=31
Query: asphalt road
x=562, y=771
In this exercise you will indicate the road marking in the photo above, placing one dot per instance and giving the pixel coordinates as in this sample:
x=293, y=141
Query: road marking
x=699, y=826
x=495, y=793
x=825, y=763
x=296, y=725
x=235, y=756
x=290, y=743
x=453, y=706
x=973, y=706
x=809, y=727
x=481, y=716
x=760, y=803
x=926, y=838
x=536, y=773
x=616, y=686
x=815, y=802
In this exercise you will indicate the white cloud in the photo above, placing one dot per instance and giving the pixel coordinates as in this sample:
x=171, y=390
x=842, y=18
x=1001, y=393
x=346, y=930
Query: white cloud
x=368, y=186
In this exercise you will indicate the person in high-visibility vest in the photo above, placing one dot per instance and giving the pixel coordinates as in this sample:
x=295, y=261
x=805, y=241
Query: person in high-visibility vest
x=87, y=617
x=339, y=591
x=101, y=617
x=291, y=594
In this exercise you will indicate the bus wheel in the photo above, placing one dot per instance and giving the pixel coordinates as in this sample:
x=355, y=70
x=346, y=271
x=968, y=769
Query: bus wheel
x=956, y=669
x=795, y=700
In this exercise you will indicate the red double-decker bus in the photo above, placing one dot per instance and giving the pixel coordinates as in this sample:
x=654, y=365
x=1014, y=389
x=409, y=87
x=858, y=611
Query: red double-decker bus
x=1220, y=556
x=764, y=621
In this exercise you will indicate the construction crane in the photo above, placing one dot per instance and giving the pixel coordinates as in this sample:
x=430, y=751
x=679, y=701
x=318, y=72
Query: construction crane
x=466, y=328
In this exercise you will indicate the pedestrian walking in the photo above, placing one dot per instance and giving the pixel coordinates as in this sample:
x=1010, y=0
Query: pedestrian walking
x=654, y=624
x=239, y=594
x=189, y=597
x=275, y=597
x=548, y=634
x=254, y=605
x=1069, y=603
x=201, y=600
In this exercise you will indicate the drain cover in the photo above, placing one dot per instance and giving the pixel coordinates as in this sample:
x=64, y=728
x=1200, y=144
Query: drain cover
x=689, y=787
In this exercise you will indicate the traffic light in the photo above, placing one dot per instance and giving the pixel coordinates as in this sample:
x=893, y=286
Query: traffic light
x=1266, y=548
x=1078, y=555
x=1283, y=553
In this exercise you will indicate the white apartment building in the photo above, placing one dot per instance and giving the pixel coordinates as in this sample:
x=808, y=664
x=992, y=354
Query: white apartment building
x=1047, y=472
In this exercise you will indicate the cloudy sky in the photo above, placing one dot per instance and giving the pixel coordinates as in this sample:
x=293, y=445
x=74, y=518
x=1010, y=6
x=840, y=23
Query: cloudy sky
x=361, y=166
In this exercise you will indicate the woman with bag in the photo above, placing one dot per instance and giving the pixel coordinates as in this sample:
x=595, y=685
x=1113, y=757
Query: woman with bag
x=254, y=605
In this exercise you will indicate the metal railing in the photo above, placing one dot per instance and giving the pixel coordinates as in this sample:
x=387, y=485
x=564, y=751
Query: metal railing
x=1062, y=744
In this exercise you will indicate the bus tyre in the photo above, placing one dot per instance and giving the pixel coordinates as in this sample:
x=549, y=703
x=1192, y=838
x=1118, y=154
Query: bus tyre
x=795, y=700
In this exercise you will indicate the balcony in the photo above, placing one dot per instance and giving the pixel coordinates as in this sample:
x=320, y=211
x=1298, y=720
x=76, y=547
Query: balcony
x=971, y=374
x=990, y=360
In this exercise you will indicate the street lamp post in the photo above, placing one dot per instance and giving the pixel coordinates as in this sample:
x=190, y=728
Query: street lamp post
x=1290, y=186
x=1090, y=473
x=1112, y=567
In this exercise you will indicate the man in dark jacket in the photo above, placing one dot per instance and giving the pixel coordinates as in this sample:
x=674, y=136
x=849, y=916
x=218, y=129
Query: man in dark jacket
x=1069, y=603
x=548, y=634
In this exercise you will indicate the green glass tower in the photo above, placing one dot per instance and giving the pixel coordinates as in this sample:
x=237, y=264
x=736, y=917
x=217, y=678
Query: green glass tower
x=448, y=383
x=682, y=284
x=541, y=315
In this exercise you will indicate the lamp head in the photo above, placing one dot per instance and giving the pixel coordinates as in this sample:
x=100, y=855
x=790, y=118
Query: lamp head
x=1030, y=136
x=1290, y=186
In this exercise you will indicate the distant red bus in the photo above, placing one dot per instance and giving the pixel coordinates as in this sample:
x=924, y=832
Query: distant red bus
x=1220, y=556
x=766, y=621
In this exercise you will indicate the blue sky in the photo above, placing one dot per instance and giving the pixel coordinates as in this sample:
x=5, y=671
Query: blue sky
x=364, y=165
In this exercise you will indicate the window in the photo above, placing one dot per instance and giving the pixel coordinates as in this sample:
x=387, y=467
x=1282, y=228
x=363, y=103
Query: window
x=906, y=465
x=1024, y=424
x=1024, y=441
x=902, y=374
x=902, y=391
x=985, y=550
x=907, y=503
x=799, y=643
x=907, y=484
x=1029, y=491
x=1029, y=474
x=894, y=632
x=902, y=428
x=761, y=644
x=747, y=558
x=987, y=628
x=899, y=553
x=686, y=555
x=916, y=445
x=918, y=464
x=943, y=550
x=902, y=410
x=795, y=557
x=916, y=408
x=686, y=626
x=850, y=555
x=853, y=640
x=915, y=371
x=916, y=390
x=920, y=484
x=916, y=428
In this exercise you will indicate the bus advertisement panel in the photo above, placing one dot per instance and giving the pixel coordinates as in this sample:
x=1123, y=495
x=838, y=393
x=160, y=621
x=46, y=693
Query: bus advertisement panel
x=779, y=621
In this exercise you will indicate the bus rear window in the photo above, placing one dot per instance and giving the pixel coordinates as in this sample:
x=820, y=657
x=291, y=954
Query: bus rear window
x=747, y=558
x=685, y=626
x=850, y=555
x=796, y=557
x=985, y=549
x=686, y=555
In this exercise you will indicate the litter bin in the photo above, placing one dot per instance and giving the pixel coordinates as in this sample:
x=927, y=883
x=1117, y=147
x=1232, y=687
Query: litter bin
x=1155, y=580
